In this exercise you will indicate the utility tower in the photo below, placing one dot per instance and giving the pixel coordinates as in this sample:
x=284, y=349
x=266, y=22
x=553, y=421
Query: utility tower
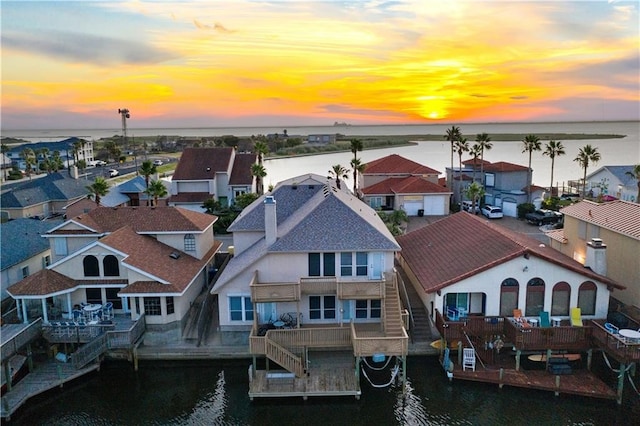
x=124, y=112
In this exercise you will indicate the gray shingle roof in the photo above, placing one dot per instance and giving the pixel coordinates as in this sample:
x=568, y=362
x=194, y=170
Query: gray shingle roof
x=53, y=187
x=21, y=239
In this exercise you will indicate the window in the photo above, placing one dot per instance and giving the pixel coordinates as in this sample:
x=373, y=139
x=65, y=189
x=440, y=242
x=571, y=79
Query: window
x=361, y=264
x=240, y=308
x=60, y=246
x=94, y=295
x=112, y=296
x=189, y=242
x=46, y=261
x=328, y=264
x=152, y=306
x=509, y=296
x=322, y=307
x=170, y=306
x=91, y=268
x=368, y=308
x=111, y=266
x=489, y=180
x=560, y=299
x=25, y=272
x=375, y=202
x=346, y=264
x=594, y=231
x=582, y=230
x=587, y=298
x=535, y=297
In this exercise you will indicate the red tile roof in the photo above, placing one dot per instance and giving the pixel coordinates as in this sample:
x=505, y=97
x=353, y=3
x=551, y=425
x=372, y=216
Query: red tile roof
x=407, y=185
x=463, y=245
x=469, y=162
x=142, y=219
x=396, y=164
x=42, y=283
x=190, y=197
x=202, y=163
x=241, y=173
x=557, y=235
x=618, y=216
x=147, y=254
x=503, y=166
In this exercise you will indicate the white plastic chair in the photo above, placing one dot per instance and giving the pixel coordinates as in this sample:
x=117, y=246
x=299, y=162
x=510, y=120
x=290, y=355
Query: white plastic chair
x=468, y=359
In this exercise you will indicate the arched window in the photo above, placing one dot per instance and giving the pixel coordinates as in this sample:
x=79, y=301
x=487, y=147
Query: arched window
x=587, y=298
x=560, y=299
x=509, y=296
x=535, y=297
x=189, y=242
x=91, y=267
x=111, y=266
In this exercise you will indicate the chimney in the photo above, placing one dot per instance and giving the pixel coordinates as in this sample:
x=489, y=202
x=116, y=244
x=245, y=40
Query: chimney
x=270, y=221
x=74, y=172
x=596, y=257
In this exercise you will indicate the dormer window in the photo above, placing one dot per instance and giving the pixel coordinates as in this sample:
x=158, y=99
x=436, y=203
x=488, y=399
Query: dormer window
x=189, y=242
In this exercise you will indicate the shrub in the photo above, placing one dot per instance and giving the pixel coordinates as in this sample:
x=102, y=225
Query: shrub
x=525, y=208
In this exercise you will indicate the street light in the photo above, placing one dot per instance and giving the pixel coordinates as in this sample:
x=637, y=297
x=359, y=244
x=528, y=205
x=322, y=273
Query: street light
x=124, y=112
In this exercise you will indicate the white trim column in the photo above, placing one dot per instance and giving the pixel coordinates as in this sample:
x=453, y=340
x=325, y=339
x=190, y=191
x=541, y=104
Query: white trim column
x=45, y=316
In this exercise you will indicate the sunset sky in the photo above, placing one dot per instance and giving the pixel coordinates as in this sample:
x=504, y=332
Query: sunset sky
x=212, y=63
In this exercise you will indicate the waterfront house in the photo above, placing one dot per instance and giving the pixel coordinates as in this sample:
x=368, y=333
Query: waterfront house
x=397, y=183
x=613, y=181
x=505, y=184
x=313, y=268
x=221, y=174
x=150, y=261
x=616, y=226
x=24, y=251
x=65, y=148
x=466, y=265
x=41, y=197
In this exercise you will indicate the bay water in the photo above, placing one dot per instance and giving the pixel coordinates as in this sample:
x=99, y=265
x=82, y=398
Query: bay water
x=215, y=393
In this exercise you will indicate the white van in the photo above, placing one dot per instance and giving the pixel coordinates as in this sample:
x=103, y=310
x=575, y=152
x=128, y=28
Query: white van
x=467, y=206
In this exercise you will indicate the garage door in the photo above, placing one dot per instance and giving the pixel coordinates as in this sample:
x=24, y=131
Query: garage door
x=510, y=209
x=436, y=205
x=412, y=208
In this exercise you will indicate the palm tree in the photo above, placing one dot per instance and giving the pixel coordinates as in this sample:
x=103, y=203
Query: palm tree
x=29, y=158
x=452, y=135
x=553, y=149
x=4, y=149
x=461, y=145
x=56, y=162
x=99, y=188
x=474, y=192
x=484, y=141
x=259, y=172
x=476, y=152
x=356, y=145
x=635, y=173
x=587, y=154
x=147, y=170
x=338, y=172
x=260, y=148
x=358, y=167
x=530, y=143
x=156, y=189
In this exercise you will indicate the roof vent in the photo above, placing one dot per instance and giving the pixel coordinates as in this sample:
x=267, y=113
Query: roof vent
x=174, y=255
x=596, y=242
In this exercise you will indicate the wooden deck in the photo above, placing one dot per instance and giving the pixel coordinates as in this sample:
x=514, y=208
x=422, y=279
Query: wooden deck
x=330, y=374
x=45, y=376
x=580, y=382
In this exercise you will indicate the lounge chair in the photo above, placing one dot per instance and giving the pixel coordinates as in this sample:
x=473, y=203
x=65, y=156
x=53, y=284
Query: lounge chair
x=468, y=359
x=576, y=317
x=544, y=319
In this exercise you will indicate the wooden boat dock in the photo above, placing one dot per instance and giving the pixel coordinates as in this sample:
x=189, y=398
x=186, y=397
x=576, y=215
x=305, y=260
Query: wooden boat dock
x=44, y=377
x=329, y=374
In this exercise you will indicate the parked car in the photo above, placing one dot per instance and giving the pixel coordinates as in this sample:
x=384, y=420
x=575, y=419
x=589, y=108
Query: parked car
x=492, y=212
x=113, y=173
x=570, y=197
x=157, y=162
x=543, y=217
x=467, y=206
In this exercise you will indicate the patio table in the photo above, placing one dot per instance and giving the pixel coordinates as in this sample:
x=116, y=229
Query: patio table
x=632, y=336
x=92, y=310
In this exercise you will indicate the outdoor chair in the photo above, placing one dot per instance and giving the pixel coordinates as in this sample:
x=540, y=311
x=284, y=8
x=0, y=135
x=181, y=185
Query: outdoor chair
x=107, y=311
x=611, y=328
x=468, y=359
x=576, y=317
x=545, y=322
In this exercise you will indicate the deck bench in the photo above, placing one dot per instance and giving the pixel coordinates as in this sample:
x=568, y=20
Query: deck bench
x=559, y=366
x=281, y=377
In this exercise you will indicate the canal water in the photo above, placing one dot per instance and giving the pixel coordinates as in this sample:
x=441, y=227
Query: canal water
x=215, y=393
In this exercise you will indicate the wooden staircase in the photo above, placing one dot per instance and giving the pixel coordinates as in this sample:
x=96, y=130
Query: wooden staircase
x=393, y=326
x=285, y=358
